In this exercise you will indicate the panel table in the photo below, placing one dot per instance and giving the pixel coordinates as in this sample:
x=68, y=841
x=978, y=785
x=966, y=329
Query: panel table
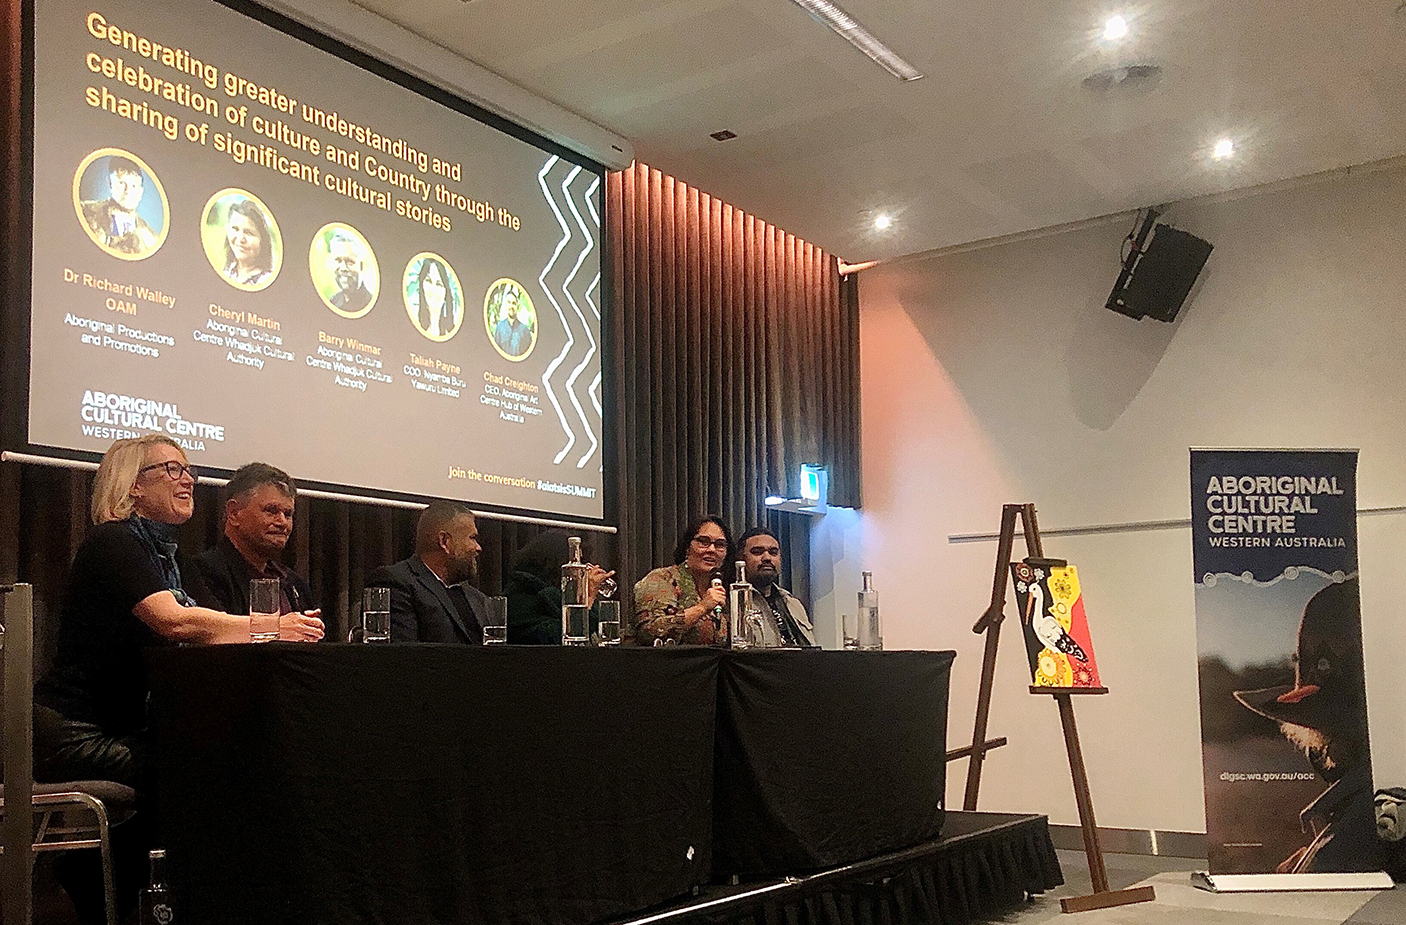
x=827, y=758
x=417, y=784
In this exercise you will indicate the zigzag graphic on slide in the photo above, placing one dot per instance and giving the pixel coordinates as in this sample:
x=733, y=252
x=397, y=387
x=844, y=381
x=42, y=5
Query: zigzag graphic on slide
x=573, y=291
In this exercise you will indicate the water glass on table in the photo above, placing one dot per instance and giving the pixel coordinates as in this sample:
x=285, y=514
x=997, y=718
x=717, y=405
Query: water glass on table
x=376, y=615
x=495, y=629
x=608, y=614
x=850, y=628
x=265, y=607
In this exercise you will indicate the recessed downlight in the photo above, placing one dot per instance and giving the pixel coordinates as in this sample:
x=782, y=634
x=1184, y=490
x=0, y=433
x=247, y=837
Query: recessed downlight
x=1115, y=28
x=1224, y=149
x=882, y=222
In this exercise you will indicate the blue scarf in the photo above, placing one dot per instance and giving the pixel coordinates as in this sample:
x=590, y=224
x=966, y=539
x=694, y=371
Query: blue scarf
x=159, y=539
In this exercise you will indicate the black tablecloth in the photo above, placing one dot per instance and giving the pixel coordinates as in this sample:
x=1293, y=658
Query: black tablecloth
x=416, y=784
x=827, y=758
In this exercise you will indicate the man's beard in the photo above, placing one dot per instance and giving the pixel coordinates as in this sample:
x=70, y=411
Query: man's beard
x=462, y=570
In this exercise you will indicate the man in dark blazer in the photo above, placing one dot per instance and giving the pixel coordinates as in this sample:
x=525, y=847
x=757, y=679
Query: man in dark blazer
x=431, y=598
x=259, y=502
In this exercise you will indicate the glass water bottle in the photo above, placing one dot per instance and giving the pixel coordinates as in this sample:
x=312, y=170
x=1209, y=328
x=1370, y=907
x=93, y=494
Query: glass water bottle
x=869, y=635
x=155, y=904
x=738, y=597
x=575, y=598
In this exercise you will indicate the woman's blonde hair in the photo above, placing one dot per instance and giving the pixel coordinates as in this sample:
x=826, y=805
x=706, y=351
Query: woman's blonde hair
x=117, y=474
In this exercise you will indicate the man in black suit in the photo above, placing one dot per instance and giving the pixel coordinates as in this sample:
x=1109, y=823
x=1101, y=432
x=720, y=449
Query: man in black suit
x=258, y=521
x=431, y=599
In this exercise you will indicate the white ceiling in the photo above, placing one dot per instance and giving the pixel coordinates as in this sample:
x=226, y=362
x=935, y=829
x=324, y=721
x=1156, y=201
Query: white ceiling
x=999, y=137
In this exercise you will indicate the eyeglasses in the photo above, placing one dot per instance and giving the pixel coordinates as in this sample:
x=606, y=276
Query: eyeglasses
x=702, y=542
x=173, y=469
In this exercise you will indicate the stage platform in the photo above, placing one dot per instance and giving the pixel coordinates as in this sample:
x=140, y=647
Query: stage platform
x=984, y=864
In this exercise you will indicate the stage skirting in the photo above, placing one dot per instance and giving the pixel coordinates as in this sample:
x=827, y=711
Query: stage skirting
x=446, y=784
x=985, y=864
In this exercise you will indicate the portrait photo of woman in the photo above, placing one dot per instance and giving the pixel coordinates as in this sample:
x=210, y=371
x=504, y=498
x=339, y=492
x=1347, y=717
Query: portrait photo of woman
x=241, y=240
x=433, y=297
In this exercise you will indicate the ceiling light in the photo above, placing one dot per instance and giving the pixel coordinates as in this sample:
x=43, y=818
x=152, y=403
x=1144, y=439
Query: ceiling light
x=882, y=222
x=1115, y=28
x=1224, y=148
x=860, y=37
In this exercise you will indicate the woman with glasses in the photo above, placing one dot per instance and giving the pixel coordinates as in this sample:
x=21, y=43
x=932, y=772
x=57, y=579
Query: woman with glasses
x=678, y=603
x=124, y=594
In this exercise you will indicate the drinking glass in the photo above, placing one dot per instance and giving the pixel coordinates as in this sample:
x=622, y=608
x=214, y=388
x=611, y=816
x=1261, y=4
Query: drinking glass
x=609, y=622
x=606, y=588
x=849, y=626
x=495, y=628
x=264, y=609
x=376, y=615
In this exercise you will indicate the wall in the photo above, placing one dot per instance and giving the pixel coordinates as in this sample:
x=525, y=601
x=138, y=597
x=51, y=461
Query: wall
x=995, y=375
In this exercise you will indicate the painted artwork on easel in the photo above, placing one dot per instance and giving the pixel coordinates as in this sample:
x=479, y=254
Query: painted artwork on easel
x=1056, y=630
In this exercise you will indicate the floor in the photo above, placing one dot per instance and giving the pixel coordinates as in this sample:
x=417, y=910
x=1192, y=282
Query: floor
x=1179, y=903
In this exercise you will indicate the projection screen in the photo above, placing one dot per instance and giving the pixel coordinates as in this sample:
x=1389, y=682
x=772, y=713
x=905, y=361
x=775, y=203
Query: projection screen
x=269, y=252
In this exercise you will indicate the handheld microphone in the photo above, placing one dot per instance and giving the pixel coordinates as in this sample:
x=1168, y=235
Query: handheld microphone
x=718, y=583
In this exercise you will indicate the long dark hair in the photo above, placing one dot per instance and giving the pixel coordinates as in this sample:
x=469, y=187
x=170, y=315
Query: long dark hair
x=543, y=557
x=446, y=314
x=264, y=258
x=681, y=550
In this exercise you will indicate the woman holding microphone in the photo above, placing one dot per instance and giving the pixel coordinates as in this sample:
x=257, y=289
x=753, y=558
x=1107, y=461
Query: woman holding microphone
x=678, y=602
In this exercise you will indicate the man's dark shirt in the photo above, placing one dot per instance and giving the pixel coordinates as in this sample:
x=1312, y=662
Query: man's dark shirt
x=219, y=579
x=352, y=302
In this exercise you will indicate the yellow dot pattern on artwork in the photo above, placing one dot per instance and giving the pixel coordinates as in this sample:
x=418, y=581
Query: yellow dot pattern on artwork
x=1054, y=669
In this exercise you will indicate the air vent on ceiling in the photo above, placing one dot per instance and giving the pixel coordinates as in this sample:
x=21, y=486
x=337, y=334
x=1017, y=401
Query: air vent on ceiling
x=1128, y=78
x=724, y=135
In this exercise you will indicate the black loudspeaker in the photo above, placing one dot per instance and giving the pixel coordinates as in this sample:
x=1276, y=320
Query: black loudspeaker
x=1163, y=276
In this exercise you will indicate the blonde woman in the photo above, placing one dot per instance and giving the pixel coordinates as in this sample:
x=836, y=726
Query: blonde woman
x=125, y=594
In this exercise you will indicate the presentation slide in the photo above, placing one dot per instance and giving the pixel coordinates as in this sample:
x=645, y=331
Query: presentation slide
x=268, y=253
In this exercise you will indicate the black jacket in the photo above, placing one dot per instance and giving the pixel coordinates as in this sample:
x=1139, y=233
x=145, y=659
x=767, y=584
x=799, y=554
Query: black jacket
x=421, y=608
x=218, y=578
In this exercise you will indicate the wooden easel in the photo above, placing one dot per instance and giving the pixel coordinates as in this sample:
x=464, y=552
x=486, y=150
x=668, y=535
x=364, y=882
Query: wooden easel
x=990, y=623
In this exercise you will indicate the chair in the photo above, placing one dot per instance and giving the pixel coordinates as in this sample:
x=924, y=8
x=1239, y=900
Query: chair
x=70, y=815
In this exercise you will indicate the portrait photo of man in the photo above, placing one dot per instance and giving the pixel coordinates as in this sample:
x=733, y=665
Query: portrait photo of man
x=510, y=319
x=344, y=270
x=118, y=210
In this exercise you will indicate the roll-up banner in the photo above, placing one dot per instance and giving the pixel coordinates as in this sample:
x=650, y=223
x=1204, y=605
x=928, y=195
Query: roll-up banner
x=1288, y=777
